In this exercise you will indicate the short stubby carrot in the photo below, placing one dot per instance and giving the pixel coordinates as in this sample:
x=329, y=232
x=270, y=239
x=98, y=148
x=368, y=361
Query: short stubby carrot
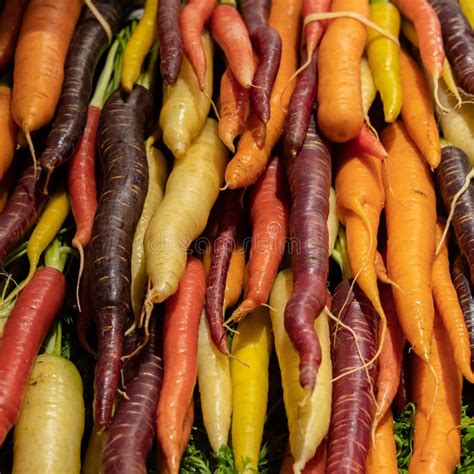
x=250, y=160
x=340, y=113
x=410, y=208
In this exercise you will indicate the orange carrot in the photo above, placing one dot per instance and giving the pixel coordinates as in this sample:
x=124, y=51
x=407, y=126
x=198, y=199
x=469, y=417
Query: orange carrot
x=360, y=200
x=410, y=208
x=437, y=437
x=340, y=113
x=39, y=60
x=234, y=109
x=192, y=19
x=230, y=33
x=417, y=110
x=428, y=30
x=180, y=333
x=10, y=23
x=8, y=130
x=382, y=456
x=390, y=360
x=447, y=304
x=250, y=160
x=269, y=216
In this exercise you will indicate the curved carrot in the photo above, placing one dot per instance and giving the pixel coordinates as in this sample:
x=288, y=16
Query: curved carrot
x=230, y=33
x=449, y=309
x=10, y=24
x=340, y=113
x=250, y=160
x=410, y=208
x=192, y=19
x=180, y=332
x=269, y=217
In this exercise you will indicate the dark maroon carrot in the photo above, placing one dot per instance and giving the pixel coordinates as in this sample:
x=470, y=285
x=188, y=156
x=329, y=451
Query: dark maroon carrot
x=122, y=128
x=221, y=252
x=132, y=430
x=169, y=37
x=451, y=176
x=353, y=404
x=87, y=45
x=309, y=175
x=458, y=38
x=267, y=45
x=460, y=275
x=300, y=108
x=22, y=209
x=26, y=327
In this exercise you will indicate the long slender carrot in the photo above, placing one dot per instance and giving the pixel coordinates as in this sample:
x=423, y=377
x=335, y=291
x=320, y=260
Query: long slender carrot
x=269, y=216
x=449, y=309
x=340, y=113
x=410, y=208
x=234, y=109
x=8, y=130
x=250, y=160
x=417, y=110
x=10, y=24
x=180, y=329
x=428, y=29
x=191, y=23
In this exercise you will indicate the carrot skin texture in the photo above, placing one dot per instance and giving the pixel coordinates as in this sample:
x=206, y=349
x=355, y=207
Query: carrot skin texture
x=39, y=70
x=382, y=455
x=309, y=175
x=180, y=332
x=21, y=211
x=10, y=24
x=26, y=327
x=255, y=13
x=458, y=39
x=8, y=130
x=221, y=254
x=230, y=33
x=132, y=430
x=410, y=204
x=87, y=44
x=460, y=275
x=169, y=37
x=81, y=179
x=451, y=175
x=314, y=31
x=123, y=194
x=340, y=113
x=269, y=217
x=300, y=108
x=352, y=407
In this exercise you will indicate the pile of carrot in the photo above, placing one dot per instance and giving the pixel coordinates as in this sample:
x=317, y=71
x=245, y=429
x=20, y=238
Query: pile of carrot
x=236, y=236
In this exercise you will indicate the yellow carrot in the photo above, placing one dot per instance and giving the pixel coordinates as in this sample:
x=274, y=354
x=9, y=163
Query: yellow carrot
x=191, y=191
x=308, y=417
x=185, y=106
x=251, y=349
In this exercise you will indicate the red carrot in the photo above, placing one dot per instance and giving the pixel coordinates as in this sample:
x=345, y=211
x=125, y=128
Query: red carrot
x=314, y=30
x=309, y=175
x=222, y=251
x=230, y=33
x=192, y=19
x=366, y=143
x=26, y=327
x=180, y=332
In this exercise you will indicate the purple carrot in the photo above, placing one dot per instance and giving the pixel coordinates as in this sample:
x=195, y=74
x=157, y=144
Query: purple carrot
x=221, y=253
x=122, y=130
x=460, y=275
x=300, y=108
x=132, y=430
x=267, y=44
x=87, y=45
x=451, y=176
x=169, y=37
x=353, y=406
x=309, y=175
x=458, y=38
x=22, y=209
